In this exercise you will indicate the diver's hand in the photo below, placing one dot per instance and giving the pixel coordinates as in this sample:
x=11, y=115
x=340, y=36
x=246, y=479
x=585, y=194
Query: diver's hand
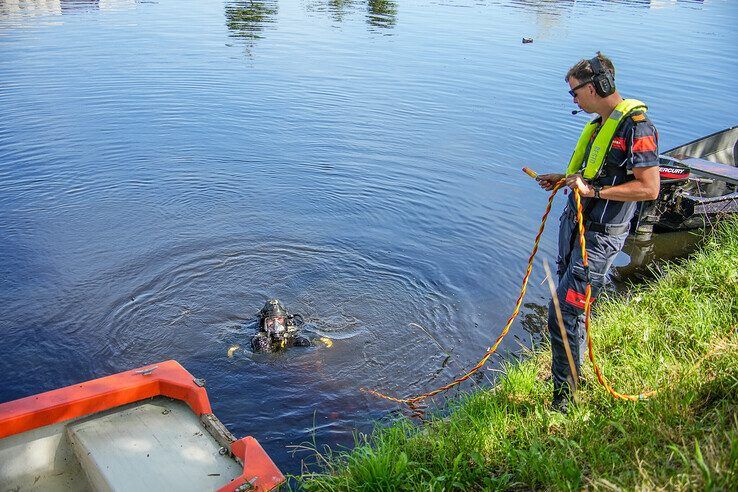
x=576, y=182
x=548, y=181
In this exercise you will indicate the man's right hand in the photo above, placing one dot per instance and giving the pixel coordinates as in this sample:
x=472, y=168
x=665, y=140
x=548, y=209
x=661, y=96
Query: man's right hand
x=548, y=181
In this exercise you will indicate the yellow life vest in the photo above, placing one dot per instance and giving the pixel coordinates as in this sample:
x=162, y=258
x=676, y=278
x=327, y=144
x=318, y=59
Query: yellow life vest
x=603, y=140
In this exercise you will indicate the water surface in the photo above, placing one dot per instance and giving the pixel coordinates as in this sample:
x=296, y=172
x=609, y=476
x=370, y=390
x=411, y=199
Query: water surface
x=166, y=167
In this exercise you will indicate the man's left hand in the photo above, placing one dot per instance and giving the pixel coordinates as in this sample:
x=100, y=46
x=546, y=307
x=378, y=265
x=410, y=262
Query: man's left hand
x=576, y=182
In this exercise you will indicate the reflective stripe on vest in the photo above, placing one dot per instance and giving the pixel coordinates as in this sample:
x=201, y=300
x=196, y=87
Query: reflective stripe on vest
x=603, y=140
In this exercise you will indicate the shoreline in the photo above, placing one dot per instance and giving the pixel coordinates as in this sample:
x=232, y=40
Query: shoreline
x=677, y=333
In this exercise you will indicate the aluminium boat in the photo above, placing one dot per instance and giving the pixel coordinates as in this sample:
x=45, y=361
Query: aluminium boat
x=699, y=185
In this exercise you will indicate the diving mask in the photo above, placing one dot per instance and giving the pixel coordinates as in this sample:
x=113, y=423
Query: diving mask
x=275, y=325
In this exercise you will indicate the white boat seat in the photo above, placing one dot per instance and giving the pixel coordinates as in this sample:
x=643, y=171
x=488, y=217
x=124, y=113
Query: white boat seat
x=160, y=434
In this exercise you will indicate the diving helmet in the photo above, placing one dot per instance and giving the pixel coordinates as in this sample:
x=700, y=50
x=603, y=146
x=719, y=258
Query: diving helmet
x=274, y=318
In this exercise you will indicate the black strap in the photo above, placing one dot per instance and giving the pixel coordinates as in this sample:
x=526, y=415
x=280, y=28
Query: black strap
x=609, y=229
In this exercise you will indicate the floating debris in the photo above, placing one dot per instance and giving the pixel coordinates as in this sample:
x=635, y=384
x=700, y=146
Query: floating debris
x=232, y=349
x=327, y=341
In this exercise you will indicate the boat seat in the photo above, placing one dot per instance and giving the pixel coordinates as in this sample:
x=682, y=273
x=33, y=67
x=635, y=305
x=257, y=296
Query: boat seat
x=160, y=434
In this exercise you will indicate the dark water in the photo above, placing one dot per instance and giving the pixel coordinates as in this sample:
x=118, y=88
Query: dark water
x=165, y=167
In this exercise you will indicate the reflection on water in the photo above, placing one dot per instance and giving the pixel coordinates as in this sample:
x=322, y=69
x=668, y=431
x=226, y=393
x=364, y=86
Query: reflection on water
x=534, y=318
x=340, y=8
x=381, y=13
x=548, y=14
x=559, y=7
x=544, y=9
x=58, y=7
x=247, y=19
x=645, y=256
x=69, y=6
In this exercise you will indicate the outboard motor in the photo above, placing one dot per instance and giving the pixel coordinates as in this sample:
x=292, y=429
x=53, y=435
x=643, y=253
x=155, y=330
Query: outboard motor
x=277, y=329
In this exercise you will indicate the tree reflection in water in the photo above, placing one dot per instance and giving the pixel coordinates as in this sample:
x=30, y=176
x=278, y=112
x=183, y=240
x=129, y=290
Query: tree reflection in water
x=381, y=13
x=339, y=8
x=247, y=19
x=534, y=319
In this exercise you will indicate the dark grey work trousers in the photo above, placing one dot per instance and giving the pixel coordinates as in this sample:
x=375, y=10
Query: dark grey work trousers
x=601, y=250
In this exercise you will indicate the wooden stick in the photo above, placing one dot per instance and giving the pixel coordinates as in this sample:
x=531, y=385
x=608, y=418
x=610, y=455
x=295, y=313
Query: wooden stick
x=560, y=319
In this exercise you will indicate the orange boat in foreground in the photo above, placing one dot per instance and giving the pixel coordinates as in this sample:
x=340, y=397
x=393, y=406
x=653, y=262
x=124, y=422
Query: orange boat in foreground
x=150, y=428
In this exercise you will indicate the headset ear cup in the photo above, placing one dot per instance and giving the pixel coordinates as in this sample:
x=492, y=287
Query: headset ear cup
x=607, y=85
x=602, y=79
x=603, y=86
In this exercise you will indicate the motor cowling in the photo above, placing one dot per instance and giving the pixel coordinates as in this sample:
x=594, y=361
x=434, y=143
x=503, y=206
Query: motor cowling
x=673, y=172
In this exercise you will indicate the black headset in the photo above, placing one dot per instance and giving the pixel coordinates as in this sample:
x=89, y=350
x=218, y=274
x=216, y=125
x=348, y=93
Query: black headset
x=602, y=78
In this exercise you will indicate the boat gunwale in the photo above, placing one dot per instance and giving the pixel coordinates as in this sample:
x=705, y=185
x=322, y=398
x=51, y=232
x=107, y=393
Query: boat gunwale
x=167, y=378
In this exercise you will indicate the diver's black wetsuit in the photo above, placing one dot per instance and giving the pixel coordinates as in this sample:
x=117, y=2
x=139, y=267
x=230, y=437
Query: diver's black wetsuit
x=262, y=342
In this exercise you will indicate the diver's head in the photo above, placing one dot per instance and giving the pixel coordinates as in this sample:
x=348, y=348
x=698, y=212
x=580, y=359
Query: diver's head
x=273, y=318
x=272, y=308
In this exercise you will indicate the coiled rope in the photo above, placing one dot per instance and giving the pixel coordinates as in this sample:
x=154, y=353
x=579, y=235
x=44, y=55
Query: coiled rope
x=413, y=401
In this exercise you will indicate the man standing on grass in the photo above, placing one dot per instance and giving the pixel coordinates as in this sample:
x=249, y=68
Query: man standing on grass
x=614, y=165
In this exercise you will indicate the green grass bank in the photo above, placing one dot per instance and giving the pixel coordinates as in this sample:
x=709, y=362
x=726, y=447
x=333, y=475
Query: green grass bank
x=677, y=334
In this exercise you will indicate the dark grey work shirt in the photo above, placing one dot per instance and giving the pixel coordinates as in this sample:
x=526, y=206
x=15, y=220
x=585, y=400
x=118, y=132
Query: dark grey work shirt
x=635, y=145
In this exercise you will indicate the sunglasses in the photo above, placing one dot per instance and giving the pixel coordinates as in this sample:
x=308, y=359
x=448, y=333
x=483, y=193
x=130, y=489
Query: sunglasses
x=574, y=90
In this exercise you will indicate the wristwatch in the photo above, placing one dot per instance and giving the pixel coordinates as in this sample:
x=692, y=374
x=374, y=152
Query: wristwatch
x=597, y=191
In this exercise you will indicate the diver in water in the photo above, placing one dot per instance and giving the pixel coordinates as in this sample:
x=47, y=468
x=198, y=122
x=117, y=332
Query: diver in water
x=277, y=329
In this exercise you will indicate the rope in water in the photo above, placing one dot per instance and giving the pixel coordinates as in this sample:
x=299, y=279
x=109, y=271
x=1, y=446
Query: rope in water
x=412, y=401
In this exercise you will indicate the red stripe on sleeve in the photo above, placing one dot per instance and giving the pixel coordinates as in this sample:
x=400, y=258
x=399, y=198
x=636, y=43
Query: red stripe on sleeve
x=618, y=143
x=644, y=144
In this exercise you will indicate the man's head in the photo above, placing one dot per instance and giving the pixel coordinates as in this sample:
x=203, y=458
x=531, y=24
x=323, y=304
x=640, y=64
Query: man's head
x=272, y=317
x=591, y=81
x=583, y=70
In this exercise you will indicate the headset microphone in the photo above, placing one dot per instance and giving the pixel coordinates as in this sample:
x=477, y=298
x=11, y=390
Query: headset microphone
x=577, y=111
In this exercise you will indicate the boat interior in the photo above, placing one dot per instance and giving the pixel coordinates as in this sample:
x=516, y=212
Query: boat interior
x=720, y=147
x=155, y=444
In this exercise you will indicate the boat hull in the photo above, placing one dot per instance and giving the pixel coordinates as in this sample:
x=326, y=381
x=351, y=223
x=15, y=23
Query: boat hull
x=146, y=429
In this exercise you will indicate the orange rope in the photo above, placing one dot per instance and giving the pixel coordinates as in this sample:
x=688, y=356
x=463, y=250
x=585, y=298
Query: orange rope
x=588, y=309
x=415, y=399
x=412, y=401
